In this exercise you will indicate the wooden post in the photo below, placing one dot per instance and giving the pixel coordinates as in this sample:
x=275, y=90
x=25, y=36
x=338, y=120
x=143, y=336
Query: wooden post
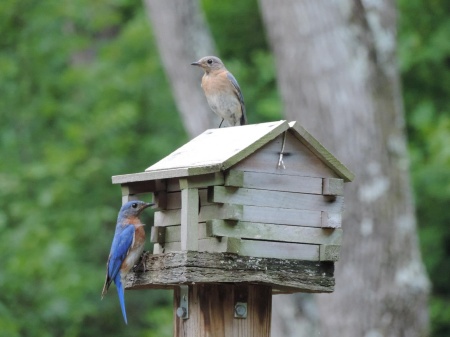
x=189, y=219
x=225, y=310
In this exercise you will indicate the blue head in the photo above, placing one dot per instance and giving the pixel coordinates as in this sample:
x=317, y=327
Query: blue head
x=132, y=209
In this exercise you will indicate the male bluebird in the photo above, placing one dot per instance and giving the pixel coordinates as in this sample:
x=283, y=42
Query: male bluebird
x=126, y=248
x=222, y=91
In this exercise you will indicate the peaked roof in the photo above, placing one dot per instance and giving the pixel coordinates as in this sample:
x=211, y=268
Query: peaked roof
x=218, y=149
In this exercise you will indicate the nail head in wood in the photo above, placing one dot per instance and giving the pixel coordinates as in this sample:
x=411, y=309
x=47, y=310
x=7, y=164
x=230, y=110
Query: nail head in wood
x=240, y=310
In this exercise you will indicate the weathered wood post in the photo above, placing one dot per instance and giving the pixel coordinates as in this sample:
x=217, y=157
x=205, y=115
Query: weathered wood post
x=242, y=213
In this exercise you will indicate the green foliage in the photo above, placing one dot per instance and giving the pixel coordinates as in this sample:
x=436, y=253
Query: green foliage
x=424, y=51
x=237, y=28
x=83, y=98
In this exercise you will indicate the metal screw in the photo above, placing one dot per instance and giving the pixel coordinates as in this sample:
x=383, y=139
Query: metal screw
x=181, y=312
x=240, y=310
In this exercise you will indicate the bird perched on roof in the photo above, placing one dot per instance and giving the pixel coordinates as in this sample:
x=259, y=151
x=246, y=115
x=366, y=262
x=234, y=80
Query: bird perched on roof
x=222, y=91
x=126, y=248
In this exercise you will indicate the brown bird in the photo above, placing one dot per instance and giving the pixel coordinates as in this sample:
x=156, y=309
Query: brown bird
x=222, y=91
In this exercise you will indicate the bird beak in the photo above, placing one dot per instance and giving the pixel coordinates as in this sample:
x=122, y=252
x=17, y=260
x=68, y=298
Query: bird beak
x=195, y=64
x=147, y=205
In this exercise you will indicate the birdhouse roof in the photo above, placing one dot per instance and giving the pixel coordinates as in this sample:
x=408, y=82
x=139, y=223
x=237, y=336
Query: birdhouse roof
x=216, y=150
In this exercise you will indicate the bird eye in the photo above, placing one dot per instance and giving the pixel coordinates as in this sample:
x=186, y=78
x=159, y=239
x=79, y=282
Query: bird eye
x=210, y=61
x=134, y=205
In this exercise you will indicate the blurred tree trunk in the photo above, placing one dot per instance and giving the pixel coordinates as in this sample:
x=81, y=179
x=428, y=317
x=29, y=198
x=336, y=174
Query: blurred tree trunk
x=337, y=75
x=183, y=37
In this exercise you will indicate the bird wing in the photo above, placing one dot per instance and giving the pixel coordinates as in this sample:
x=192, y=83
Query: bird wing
x=238, y=93
x=119, y=250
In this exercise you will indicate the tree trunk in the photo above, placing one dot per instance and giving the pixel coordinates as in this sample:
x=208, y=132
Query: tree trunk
x=337, y=75
x=183, y=37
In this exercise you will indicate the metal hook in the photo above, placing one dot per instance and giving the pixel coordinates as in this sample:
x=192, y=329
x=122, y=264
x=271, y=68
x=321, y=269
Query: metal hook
x=280, y=159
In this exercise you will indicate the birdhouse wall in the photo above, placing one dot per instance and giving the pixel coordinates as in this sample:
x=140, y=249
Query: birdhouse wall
x=263, y=206
x=297, y=159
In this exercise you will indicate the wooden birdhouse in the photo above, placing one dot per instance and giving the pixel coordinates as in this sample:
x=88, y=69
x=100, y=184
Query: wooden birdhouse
x=257, y=204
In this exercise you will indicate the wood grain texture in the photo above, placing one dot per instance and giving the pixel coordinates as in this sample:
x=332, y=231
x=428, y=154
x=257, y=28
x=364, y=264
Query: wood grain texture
x=140, y=187
x=284, y=216
x=272, y=249
x=146, y=176
x=275, y=182
x=173, y=233
x=287, y=276
x=320, y=151
x=331, y=220
x=172, y=184
x=333, y=187
x=211, y=311
x=330, y=252
x=297, y=159
x=208, y=212
x=202, y=181
x=208, y=244
x=246, y=196
x=160, y=200
x=273, y=232
x=174, y=199
x=189, y=219
x=158, y=235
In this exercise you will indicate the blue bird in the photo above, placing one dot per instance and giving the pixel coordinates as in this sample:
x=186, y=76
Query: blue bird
x=126, y=248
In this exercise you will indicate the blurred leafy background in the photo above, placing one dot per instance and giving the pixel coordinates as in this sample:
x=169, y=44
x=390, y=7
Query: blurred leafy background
x=83, y=97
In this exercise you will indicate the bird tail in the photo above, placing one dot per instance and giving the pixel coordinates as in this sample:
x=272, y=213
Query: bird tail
x=121, y=294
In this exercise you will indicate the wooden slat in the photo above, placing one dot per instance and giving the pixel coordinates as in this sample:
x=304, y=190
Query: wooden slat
x=173, y=233
x=173, y=184
x=246, y=196
x=137, y=188
x=158, y=235
x=143, y=176
x=202, y=181
x=331, y=220
x=158, y=248
x=270, y=249
x=174, y=199
x=212, y=245
x=329, y=252
x=284, y=216
x=320, y=151
x=208, y=212
x=160, y=199
x=274, y=182
x=189, y=219
x=273, y=232
x=333, y=186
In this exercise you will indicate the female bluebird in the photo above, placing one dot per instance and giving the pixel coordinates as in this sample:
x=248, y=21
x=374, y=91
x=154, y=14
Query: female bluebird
x=222, y=91
x=126, y=248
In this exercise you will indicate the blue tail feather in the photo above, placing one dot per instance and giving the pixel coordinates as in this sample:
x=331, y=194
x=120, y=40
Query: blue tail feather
x=121, y=294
